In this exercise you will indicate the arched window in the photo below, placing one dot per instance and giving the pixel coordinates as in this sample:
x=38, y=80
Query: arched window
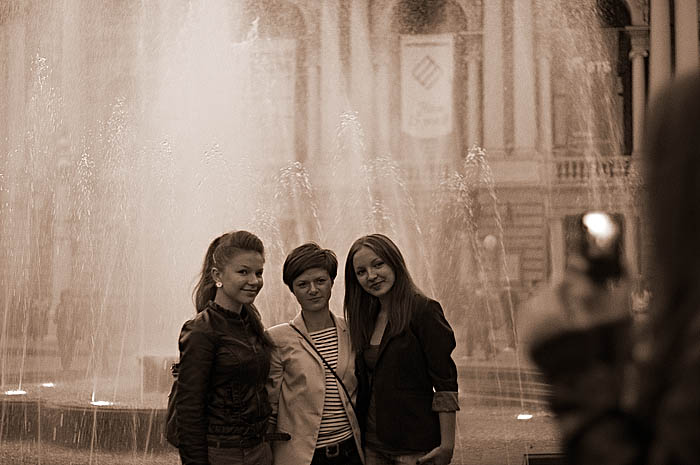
x=614, y=18
x=109, y=63
x=592, y=79
x=279, y=84
x=428, y=46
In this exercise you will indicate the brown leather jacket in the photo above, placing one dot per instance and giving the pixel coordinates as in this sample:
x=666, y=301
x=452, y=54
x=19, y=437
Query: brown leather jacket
x=221, y=398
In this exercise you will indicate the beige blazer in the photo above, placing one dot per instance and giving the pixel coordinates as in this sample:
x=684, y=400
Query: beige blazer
x=297, y=389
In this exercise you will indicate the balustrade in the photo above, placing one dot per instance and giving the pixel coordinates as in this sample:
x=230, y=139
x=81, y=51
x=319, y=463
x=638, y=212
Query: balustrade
x=590, y=169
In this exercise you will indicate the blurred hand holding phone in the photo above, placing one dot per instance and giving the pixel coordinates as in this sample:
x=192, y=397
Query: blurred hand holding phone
x=601, y=247
x=593, y=290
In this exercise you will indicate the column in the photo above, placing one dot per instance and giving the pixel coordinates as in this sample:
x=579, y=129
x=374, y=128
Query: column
x=660, y=45
x=17, y=78
x=361, y=79
x=60, y=145
x=331, y=73
x=71, y=67
x=557, y=249
x=313, y=110
x=61, y=272
x=382, y=109
x=5, y=117
x=73, y=102
x=686, y=16
x=4, y=95
x=494, y=139
x=473, y=92
x=17, y=228
x=544, y=74
x=637, y=55
x=631, y=244
x=15, y=224
x=524, y=104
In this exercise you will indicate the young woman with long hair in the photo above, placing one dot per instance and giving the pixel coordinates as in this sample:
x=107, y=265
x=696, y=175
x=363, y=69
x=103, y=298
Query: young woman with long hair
x=221, y=402
x=407, y=379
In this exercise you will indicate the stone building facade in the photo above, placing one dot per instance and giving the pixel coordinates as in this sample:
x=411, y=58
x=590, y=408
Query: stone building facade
x=554, y=91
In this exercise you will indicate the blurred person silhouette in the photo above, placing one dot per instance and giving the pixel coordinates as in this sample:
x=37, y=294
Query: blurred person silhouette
x=222, y=403
x=74, y=329
x=639, y=300
x=68, y=327
x=105, y=318
x=478, y=328
x=407, y=398
x=312, y=384
x=39, y=309
x=620, y=400
x=510, y=304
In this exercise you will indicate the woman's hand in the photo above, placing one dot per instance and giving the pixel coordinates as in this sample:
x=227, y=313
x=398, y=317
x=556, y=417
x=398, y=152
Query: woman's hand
x=576, y=303
x=441, y=455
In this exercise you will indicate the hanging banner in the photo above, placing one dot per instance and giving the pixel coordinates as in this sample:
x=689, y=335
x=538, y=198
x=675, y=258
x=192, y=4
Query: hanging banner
x=427, y=72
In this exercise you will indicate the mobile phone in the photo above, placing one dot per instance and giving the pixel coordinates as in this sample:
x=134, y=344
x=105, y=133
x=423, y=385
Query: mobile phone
x=601, y=246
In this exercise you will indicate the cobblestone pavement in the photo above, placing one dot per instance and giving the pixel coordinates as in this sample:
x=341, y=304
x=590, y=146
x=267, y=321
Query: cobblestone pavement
x=494, y=436
x=485, y=436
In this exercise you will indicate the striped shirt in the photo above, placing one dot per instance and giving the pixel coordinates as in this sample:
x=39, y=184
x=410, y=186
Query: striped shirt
x=335, y=426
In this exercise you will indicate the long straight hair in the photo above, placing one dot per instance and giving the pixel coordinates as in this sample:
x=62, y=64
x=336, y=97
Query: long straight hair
x=219, y=254
x=361, y=308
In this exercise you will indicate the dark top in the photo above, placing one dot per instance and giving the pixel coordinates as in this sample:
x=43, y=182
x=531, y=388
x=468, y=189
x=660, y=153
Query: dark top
x=371, y=354
x=411, y=368
x=608, y=417
x=221, y=383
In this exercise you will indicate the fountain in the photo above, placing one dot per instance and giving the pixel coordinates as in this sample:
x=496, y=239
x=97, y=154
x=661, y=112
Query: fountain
x=147, y=128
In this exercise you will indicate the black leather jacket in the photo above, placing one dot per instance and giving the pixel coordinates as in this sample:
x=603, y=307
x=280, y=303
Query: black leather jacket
x=221, y=396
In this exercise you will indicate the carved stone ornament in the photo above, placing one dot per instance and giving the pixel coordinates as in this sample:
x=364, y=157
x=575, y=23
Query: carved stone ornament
x=643, y=6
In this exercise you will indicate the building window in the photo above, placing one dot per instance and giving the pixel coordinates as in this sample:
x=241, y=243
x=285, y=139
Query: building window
x=592, y=81
x=278, y=82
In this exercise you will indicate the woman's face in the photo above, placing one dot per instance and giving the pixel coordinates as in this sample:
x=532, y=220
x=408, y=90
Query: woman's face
x=312, y=289
x=374, y=275
x=241, y=279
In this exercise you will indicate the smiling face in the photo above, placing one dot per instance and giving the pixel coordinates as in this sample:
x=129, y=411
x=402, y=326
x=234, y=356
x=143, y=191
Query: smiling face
x=374, y=275
x=241, y=280
x=312, y=289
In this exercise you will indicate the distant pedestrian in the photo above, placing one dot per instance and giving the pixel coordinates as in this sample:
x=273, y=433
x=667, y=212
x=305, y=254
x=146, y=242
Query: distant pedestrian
x=70, y=321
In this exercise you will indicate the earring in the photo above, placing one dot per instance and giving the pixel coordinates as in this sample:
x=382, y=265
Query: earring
x=218, y=284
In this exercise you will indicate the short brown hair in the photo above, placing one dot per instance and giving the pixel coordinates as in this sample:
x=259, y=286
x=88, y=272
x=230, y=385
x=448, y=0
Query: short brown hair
x=305, y=257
